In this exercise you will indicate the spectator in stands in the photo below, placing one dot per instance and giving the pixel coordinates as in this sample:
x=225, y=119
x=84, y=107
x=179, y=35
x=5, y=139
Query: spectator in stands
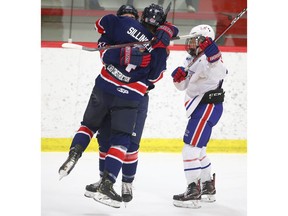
x=190, y=7
x=189, y=4
x=94, y=4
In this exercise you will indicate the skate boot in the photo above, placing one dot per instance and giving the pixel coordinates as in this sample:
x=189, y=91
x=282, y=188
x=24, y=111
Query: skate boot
x=190, y=198
x=74, y=154
x=208, y=190
x=106, y=195
x=127, y=194
x=91, y=189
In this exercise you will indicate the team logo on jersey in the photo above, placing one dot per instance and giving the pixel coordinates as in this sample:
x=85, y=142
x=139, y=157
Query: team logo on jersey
x=122, y=90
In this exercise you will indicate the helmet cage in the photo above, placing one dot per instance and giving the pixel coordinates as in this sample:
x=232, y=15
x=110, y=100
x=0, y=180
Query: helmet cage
x=192, y=44
x=153, y=15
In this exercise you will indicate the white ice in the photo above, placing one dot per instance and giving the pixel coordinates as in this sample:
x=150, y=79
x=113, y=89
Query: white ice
x=159, y=177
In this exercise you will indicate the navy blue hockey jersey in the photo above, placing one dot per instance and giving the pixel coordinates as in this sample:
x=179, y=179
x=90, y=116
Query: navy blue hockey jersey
x=126, y=81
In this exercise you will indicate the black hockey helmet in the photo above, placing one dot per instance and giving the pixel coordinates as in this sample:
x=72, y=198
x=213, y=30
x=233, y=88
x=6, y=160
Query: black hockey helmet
x=153, y=15
x=128, y=9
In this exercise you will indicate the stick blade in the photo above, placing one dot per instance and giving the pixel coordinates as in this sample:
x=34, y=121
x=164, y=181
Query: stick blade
x=72, y=46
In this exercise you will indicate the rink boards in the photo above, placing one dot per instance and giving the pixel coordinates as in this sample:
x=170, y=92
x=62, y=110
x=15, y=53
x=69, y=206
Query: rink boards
x=150, y=145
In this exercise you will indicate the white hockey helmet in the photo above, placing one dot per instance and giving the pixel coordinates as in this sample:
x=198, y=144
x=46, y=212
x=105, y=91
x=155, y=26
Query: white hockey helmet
x=203, y=30
x=198, y=35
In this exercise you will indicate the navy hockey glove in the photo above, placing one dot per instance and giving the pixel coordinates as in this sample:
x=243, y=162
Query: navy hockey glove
x=211, y=50
x=135, y=56
x=179, y=74
x=163, y=35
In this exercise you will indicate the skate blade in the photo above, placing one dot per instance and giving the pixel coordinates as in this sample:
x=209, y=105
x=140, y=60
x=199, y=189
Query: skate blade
x=62, y=174
x=89, y=194
x=103, y=199
x=208, y=198
x=126, y=203
x=66, y=169
x=187, y=204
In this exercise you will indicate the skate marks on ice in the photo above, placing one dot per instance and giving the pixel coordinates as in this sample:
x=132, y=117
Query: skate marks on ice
x=159, y=177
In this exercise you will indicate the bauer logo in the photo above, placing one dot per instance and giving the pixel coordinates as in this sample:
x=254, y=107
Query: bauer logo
x=122, y=90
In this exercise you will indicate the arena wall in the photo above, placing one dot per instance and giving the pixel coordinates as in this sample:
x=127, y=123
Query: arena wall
x=67, y=79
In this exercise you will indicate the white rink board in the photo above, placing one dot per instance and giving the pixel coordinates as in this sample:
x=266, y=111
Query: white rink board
x=67, y=79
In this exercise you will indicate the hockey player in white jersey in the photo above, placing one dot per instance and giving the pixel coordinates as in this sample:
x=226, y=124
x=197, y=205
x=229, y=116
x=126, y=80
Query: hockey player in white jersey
x=201, y=77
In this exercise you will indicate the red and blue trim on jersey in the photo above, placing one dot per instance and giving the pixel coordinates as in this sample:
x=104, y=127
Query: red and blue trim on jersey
x=158, y=78
x=108, y=83
x=98, y=27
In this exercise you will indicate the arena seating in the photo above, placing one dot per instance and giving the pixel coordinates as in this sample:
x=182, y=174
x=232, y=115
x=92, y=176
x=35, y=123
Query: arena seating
x=218, y=14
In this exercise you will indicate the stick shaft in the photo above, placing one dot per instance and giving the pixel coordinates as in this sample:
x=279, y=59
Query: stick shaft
x=232, y=23
x=77, y=46
x=219, y=36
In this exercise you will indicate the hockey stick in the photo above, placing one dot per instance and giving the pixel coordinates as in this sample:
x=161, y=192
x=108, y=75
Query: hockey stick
x=167, y=10
x=80, y=47
x=219, y=36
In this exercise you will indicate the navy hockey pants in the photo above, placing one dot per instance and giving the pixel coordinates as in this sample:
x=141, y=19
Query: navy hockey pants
x=131, y=160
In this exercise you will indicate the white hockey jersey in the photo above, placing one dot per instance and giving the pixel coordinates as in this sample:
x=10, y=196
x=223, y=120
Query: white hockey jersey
x=202, y=77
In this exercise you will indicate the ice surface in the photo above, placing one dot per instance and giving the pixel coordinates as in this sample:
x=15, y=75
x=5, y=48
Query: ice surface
x=159, y=177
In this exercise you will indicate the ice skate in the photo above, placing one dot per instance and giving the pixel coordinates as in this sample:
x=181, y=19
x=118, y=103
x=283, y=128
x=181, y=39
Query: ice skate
x=106, y=195
x=190, y=198
x=91, y=189
x=208, y=190
x=127, y=194
x=74, y=154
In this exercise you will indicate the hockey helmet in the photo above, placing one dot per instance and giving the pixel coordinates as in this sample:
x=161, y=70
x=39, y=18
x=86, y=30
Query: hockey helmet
x=153, y=15
x=198, y=35
x=128, y=9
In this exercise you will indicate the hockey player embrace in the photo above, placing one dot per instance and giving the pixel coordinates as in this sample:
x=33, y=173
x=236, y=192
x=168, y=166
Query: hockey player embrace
x=130, y=162
x=202, y=78
x=123, y=81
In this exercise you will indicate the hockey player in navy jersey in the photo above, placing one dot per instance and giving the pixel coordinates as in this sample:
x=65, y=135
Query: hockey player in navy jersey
x=204, y=106
x=130, y=161
x=123, y=81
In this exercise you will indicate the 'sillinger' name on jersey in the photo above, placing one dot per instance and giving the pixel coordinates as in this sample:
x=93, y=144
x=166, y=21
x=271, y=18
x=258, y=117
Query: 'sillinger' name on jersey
x=135, y=33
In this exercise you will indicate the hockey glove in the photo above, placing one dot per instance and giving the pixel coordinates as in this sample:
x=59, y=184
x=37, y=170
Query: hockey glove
x=150, y=87
x=163, y=35
x=134, y=56
x=211, y=50
x=179, y=74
